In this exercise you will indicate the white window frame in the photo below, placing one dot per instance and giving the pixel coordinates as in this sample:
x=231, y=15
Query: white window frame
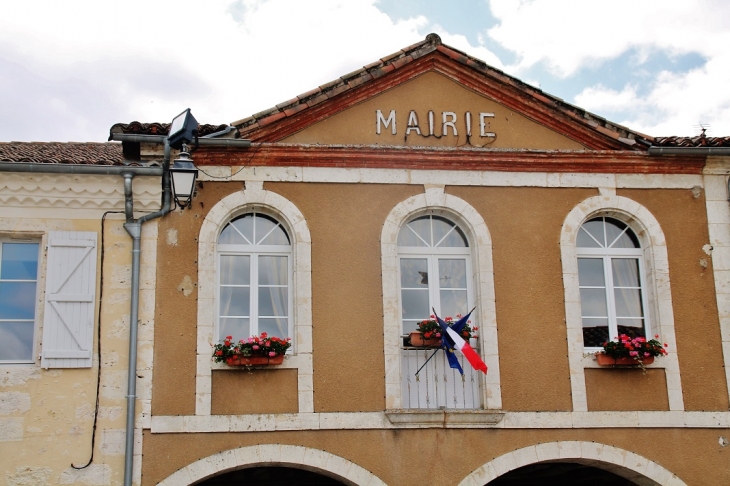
x=255, y=197
x=437, y=202
x=34, y=342
x=657, y=284
x=607, y=255
x=255, y=252
x=432, y=255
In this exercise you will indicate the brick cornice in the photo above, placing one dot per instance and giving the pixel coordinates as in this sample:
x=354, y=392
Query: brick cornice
x=378, y=157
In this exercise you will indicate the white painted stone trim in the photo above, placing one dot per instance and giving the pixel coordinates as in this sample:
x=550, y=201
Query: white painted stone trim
x=718, y=222
x=315, y=460
x=289, y=215
x=354, y=175
x=173, y=424
x=659, y=313
x=622, y=462
x=436, y=201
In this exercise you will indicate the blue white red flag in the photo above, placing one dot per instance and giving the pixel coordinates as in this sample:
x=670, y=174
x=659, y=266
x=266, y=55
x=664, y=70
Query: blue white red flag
x=452, y=340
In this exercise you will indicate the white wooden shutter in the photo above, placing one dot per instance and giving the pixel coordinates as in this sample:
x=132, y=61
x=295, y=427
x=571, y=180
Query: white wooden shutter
x=68, y=318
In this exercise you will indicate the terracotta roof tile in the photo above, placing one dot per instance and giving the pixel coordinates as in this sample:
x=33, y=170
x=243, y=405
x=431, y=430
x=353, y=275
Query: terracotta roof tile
x=137, y=128
x=698, y=141
x=109, y=153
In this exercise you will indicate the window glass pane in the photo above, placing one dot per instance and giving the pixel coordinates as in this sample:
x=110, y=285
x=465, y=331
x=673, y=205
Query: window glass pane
x=446, y=234
x=595, y=332
x=410, y=325
x=454, y=239
x=17, y=300
x=273, y=301
x=413, y=273
x=614, y=228
x=20, y=261
x=277, y=237
x=628, y=303
x=278, y=327
x=625, y=272
x=266, y=226
x=453, y=302
x=421, y=227
x=593, y=228
x=631, y=327
x=627, y=240
x=238, y=232
x=590, y=272
x=235, y=301
x=16, y=341
x=273, y=270
x=452, y=273
x=235, y=269
x=593, y=303
x=415, y=304
x=238, y=328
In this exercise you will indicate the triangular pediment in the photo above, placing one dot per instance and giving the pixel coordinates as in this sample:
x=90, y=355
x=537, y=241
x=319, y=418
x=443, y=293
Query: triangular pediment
x=430, y=95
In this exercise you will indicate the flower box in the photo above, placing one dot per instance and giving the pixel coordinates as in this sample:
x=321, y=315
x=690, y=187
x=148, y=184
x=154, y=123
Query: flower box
x=606, y=360
x=241, y=360
x=418, y=340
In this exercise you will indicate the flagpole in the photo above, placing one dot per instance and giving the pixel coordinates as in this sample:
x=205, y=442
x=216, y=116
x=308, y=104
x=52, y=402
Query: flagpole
x=429, y=359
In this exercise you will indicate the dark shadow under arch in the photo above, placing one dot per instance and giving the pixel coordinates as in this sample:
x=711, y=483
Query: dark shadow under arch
x=271, y=476
x=560, y=474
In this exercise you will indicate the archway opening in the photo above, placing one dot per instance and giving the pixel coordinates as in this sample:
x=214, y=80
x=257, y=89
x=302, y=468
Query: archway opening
x=271, y=476
x=560, y=474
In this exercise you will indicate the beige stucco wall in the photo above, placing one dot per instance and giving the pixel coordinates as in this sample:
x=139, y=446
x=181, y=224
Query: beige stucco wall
x=347, y=300
x=432, y=92
x=46, y=416
x=417, y=457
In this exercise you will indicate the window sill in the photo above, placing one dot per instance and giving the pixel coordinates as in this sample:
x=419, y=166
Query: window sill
x=446, y=419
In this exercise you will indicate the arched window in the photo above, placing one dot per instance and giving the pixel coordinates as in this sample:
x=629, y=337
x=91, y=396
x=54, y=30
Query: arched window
x=254, y=277
x=611, y=281
x=435, y=270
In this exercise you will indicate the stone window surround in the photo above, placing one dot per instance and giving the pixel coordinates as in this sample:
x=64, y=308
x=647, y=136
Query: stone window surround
x=435, y=201
x=254, y=196
x=647, y=229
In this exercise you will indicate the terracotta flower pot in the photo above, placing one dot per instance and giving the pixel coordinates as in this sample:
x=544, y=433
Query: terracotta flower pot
x=606, y=360
x=240, y=360
x=417, y=339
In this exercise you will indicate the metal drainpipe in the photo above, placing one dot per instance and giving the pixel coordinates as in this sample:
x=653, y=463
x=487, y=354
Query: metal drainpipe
x=134, y=228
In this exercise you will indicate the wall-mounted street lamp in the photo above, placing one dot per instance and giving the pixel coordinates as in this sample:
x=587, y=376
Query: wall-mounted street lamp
x=183, y=174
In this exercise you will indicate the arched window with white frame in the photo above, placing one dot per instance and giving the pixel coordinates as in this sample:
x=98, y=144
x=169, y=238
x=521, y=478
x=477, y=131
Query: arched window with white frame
x=254, y=295
x=611, y=278
x=435, y=270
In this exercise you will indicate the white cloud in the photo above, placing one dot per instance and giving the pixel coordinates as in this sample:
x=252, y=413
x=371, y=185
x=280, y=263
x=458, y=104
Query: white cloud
x=566, y=35
x=147, y=61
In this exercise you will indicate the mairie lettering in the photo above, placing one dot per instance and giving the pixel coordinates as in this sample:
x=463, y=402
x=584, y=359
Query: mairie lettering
x=449, y=124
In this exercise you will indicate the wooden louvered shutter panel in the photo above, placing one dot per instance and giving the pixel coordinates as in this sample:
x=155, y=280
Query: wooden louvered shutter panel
x=68, y=318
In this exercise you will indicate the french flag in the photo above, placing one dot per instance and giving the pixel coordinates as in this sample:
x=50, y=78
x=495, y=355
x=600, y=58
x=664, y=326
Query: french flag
x=451, y=336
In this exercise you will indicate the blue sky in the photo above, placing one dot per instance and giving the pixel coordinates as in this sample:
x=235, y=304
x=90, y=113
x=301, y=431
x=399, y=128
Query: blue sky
x=70, y=69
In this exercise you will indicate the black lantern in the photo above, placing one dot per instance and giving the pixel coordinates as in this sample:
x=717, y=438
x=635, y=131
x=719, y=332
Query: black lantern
x=183, y=174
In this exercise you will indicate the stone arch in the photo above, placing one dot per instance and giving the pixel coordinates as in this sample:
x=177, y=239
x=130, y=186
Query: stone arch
x=314, y=460
x=434, y=199
x=621, y=462
x=254, y=195
x=654, y=245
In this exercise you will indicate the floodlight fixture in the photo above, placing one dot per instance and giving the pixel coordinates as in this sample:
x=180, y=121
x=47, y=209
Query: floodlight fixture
x=183, y=129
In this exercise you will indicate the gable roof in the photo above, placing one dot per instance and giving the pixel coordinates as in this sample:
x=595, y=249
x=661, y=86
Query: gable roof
x=291, y=116
x=88, y=153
